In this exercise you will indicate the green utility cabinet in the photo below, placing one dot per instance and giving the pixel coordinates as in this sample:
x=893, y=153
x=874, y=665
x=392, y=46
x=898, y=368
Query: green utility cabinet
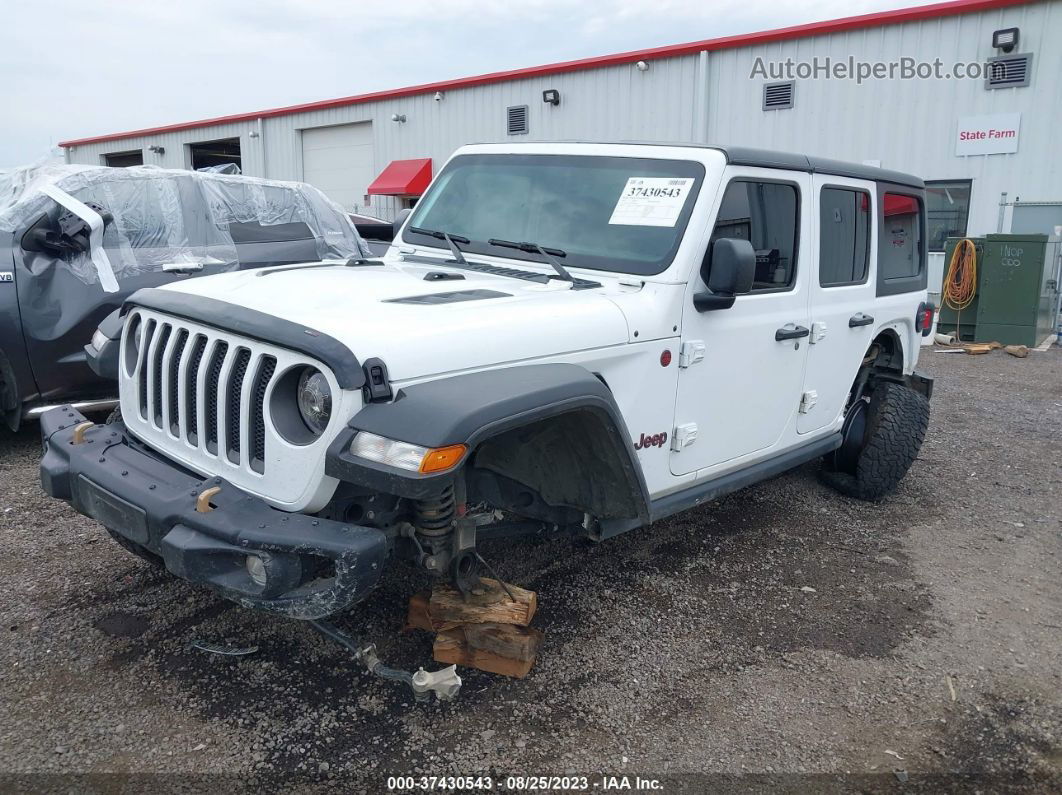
x=1016, y=291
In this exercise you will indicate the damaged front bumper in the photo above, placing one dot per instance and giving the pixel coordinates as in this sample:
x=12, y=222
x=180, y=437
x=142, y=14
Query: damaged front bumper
x=306, y=567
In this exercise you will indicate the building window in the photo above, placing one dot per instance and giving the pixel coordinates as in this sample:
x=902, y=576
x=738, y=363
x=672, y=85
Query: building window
x=767, y=215
x=947, y=210
x=134, y=157
x=844, y=238
x=223, y=152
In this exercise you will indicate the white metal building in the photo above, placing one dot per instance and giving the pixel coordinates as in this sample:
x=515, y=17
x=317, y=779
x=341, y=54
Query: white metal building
x=973, y=139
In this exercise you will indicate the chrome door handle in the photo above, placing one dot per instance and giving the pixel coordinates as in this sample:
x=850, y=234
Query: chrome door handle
x=859, y=319
x=794, y=333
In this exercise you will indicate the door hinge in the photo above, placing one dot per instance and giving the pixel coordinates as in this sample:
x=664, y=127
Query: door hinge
x=684, y=436
x=808, y=401
x=691, y=352
x=818, y=331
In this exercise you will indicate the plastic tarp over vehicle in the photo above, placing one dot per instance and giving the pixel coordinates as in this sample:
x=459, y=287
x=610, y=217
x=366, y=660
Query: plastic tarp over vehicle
x=81, y=239
x=162, y=216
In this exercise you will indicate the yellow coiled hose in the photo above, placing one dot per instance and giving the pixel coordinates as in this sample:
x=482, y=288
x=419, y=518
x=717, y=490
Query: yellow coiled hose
x=960, y=285
x=960, y=282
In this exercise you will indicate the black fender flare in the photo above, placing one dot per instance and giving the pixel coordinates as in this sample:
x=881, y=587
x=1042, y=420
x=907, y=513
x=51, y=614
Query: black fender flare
x=473, y=408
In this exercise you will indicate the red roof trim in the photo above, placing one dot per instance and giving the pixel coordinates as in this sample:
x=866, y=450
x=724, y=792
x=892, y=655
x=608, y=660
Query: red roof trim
x=876, y=19
x=403, y=178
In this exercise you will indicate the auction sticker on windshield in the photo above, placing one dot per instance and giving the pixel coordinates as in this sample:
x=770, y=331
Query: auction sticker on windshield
x=651, y=201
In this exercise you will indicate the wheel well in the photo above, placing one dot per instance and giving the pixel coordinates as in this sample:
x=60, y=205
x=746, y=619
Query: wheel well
x=10, y=409
x=558, y=468
x=886, y=352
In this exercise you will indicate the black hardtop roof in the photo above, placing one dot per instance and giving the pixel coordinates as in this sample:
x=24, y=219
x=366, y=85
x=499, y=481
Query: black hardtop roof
x=770, y=158
x=766, y=158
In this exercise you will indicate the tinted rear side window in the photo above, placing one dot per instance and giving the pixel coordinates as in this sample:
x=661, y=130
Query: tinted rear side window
x=844, y=236
x=900, y=247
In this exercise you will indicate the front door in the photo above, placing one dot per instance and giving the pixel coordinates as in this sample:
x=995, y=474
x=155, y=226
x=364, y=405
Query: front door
x=741, y=369
x=843, y=291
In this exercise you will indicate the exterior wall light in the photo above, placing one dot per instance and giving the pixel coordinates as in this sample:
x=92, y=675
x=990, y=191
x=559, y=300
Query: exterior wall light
x=1005, y=39
x=398, y=117
x=642, y=66
x=551, y=96
x=159, y=150
x=438, y=96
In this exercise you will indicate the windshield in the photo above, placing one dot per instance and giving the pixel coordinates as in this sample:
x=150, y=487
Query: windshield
x=620, y=214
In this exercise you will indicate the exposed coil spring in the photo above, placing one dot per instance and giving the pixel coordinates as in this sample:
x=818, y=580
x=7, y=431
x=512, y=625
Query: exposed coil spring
x=436, y=513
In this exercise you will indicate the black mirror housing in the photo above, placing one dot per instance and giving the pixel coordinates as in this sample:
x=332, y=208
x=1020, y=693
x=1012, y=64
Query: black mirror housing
x=400, y=219
x=728, y=270
x=733, y=267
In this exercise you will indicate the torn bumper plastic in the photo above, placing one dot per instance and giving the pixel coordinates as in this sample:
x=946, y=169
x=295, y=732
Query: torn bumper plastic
x=304, y=567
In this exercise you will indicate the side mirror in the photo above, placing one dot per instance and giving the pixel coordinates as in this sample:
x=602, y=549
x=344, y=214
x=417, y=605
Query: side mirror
x=384, y=232
x=399, y=220
x=728, y=272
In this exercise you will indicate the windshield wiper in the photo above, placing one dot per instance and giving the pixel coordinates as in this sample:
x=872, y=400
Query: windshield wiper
x=451, y=241
x=548, y=254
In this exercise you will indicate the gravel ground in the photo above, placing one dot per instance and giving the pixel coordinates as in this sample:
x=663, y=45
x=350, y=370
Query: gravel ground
x=783, y=636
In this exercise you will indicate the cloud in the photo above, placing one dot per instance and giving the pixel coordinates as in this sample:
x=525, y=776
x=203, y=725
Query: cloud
x=75, y=69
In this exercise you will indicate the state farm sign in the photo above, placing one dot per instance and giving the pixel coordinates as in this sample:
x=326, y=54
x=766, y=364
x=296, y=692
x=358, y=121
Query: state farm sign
x=987, y=135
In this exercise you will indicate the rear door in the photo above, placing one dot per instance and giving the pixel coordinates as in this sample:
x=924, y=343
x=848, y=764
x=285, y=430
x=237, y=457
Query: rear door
x=742, y=368
x=842, y=289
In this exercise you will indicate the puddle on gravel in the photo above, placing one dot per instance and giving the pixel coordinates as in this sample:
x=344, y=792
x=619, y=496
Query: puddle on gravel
x=123, y=625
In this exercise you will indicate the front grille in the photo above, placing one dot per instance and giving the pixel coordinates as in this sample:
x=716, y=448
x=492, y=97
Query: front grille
x=172, y=384
x=191, y=390
x=217, y=362
x=232, y=405
x=202, y=391
x=266, y=368
x=145, y=347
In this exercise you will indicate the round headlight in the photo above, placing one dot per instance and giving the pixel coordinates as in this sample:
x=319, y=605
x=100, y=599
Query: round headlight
x=315, y=400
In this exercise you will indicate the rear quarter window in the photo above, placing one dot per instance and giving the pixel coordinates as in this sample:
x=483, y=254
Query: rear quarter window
x=901, y=242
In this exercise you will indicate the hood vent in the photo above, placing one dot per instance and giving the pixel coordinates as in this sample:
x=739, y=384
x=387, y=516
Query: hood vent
x=1009, y=71
x=449, y=298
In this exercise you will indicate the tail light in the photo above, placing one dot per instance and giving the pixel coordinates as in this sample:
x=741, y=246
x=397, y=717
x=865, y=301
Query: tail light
x=924, y=318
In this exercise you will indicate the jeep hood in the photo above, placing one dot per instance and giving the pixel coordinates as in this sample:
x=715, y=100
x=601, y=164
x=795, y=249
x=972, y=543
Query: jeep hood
x=420, y=328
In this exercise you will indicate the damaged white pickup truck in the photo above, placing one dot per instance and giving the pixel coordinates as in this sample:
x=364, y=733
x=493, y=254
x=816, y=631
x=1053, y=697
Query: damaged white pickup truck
x=578, y=338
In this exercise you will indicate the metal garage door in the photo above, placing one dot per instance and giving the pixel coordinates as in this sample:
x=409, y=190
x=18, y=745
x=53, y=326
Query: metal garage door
x=339, y=161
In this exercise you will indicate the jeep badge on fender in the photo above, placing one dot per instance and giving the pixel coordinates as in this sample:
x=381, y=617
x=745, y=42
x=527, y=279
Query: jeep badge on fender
x=514, y=357
x=656, y=440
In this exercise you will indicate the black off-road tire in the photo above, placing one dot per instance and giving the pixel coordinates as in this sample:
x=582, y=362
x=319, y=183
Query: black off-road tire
x=897, y=419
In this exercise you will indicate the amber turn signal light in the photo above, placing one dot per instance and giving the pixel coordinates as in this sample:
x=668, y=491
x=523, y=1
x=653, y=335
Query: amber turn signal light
x=441, y=459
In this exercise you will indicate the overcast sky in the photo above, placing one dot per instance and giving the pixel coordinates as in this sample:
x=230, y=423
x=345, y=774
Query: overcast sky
x=72, y=68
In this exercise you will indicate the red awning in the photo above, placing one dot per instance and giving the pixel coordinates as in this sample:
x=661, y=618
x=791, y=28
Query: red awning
x=403, y=178
x=896, y=204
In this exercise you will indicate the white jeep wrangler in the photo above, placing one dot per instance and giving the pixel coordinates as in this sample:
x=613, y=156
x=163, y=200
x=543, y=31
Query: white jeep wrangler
x=564, y=337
